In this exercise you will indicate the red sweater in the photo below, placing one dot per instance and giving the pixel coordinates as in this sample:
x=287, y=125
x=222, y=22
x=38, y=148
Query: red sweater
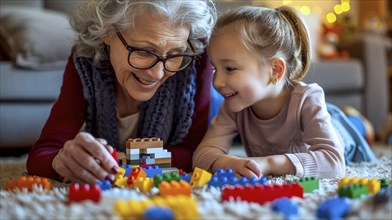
x=69, y=112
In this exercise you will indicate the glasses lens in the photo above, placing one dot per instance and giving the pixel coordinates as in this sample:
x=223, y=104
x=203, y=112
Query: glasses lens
x=178, y=63
x=142, y=59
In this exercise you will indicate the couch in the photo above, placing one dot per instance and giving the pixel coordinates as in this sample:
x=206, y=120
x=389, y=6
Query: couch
x=29, y=85
x=35, y=42
x=360, y=82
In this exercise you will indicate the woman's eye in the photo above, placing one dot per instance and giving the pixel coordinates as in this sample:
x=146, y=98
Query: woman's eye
x=143, y=53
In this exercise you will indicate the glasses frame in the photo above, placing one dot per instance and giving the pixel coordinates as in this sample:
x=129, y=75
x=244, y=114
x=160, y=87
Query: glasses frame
x=163, y=59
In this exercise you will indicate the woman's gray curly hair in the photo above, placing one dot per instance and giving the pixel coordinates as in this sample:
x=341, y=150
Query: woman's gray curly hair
x=95, y=18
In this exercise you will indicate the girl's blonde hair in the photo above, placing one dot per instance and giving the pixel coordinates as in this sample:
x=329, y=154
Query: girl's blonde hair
x=271, y=33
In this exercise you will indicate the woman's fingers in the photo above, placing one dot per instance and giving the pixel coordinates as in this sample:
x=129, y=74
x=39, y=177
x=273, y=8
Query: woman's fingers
x=85, y=159
x=98, y=151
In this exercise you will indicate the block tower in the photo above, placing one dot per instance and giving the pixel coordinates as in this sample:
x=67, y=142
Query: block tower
x=147, y=151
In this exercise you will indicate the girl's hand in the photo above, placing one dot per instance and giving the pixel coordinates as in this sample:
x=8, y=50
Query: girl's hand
x=85, y=159
x=240, y=166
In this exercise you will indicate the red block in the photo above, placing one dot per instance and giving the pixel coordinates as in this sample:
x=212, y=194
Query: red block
x=78, y=193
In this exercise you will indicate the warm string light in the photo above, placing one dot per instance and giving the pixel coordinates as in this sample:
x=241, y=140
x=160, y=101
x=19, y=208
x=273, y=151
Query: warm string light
x=330, y=16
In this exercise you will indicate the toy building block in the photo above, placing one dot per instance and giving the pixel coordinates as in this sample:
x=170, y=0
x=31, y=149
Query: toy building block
x=158, y=212
x=186, y=177
x=168, y=177
x=183, y=207
x=121, y=156
x=144, y=143
x=128, y=169
x=175, y=188
x=309, y=183
x=27, y=182
x=262, y=193
x=200, y=177
x=353, y=191
x=120, y=173
x=122, y=182
x=373, y=184
x=221, y=181
x=131, y=209
x=147, y=151
x=384, y=182
x=151, y=171
x=333, y=208
x=138, y=172
x=143, y=184
x=114, y=155
x=229, y=173
x=169, y=169
x=104, y=185
x=347, y=181
x=285, y=207
x=383, y=196
x=78, y=193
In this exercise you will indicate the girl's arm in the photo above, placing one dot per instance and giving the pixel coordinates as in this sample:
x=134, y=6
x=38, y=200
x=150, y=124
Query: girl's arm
x=325, y=153
x=217, y=142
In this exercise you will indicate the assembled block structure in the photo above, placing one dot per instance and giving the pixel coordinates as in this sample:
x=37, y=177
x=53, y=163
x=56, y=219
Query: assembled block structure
x=147, y=151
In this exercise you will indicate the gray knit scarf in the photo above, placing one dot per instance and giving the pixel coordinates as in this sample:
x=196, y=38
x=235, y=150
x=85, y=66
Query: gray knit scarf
x=167, y=115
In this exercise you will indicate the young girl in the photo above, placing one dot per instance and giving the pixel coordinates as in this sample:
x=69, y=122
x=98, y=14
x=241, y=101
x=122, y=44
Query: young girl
x=259, y=57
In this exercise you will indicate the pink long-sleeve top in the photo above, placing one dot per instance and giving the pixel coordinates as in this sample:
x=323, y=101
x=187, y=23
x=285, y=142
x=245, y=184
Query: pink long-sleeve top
x=302, y=131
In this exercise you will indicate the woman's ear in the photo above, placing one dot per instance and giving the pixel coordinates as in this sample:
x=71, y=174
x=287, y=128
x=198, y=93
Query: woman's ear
x=108, y=38
x=278, y=68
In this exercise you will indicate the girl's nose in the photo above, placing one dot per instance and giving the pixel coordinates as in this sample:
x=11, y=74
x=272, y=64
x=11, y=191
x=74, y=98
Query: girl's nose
x=219, y=81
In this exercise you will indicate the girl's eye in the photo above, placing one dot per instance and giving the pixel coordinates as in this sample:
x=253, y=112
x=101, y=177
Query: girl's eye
x=230, y=69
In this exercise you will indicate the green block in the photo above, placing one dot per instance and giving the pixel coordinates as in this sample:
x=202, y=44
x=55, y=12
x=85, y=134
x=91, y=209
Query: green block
x=309, y=183
x=353, y=191
x=384, y=182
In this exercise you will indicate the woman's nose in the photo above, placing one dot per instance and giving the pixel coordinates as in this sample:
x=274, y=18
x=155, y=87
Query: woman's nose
x=157, y=71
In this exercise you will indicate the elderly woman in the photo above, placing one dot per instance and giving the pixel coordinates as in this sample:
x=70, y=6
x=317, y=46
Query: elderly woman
x=138, y=69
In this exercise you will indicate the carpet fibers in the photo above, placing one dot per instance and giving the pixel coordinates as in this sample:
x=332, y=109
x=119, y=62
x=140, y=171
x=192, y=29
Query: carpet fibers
x=53, y=204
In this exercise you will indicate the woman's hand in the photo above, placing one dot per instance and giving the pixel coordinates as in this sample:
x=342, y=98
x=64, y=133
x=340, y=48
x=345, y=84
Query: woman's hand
x=240, y=166
x=85, y=159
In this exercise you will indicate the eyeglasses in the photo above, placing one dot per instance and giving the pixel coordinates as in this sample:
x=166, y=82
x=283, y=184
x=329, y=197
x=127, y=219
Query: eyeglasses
x=143, y=59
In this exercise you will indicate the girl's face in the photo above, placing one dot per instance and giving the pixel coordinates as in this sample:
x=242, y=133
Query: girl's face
x=151, y=35
x=239, y=75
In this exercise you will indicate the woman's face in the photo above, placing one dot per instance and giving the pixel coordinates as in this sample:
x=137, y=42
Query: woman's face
x=153, y=35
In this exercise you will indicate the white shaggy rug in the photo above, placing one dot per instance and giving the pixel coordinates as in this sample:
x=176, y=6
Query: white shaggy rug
x=53, y=204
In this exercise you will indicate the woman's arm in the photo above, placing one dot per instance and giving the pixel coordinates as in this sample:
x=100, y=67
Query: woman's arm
x=65, y=120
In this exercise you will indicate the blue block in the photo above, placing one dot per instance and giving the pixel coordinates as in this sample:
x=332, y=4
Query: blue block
x=151, y=171
x=128, y=169
x=229, y=173
x=333, y=208
x=105, y=185
x=158, y=212
x=186, y=177
x=286, y=207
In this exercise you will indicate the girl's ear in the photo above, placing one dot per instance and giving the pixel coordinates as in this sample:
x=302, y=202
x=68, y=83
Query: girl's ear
x=278, y=68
